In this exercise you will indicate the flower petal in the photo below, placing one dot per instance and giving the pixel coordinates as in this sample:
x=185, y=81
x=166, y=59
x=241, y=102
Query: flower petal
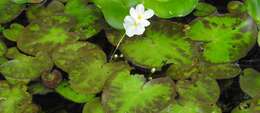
x=133, y=13
x=140, y=9
x=129, y=20
x=139, y=30
x=148, y=14
x=145, y=23
x=129, y=32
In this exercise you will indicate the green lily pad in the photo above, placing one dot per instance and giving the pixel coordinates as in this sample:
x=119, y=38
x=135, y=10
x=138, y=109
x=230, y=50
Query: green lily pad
x=204, y=9
x=9, y=10
x=93, y=107
x=166, y=44
x=253, y=9
x=13, y=52
x=127, y=93
x=236, y=7
x=191, y=107
x=250, y=82
x=27, y=1
x=115, y=15
x=67, y=92
x=38, y=38
x=13, y=32
x=171, y=8
x=216, y=71
x=193, y=90
x=89, y=18
x=15, y=99
x=226, y=38
x=25, y=68
x=3, y=48
x=70, y=55
x=90, y=78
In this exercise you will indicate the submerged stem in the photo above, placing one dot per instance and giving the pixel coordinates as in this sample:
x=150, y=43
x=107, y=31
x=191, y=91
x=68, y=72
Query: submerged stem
x=117, y=46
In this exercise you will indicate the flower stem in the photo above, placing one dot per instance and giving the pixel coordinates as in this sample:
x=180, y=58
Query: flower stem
x=117, y=46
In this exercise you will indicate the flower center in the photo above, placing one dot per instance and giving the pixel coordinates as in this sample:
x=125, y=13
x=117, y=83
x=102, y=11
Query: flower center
x=140, y=17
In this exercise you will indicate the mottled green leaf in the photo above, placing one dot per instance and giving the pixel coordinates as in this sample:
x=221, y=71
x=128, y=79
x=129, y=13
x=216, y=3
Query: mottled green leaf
x=3, y=48
x=127, y=93
x=89, y=18
x=15, y=99
x=13, y=32
x=38, y=38
x=226, y=38
x=204, y=90
x=70, y=55
x=13, y=52
x=9, y=10
x=191, y=107
x=250, y=82
x=25, y=68
x=163, y=43
x=236, y=7
x=67, y=92
x=93, y=107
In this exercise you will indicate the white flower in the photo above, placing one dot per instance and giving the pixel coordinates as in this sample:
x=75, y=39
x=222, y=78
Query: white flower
x=137, y=21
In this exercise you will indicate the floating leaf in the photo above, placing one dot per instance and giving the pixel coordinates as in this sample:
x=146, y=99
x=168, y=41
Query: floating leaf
x=216, y=71
x=25, y=68
x=204, y=9
x=13, y=32
x=27, y=1
x=67, y=92
x=9, y=10
x=236, y=7
x=13, y=52
x=250, y=82
x=226, y=38
x=127, y=93
x=165, y=42
x=191, y=107
x=204, y=90
x=90, y=78
x=115, y=15
x=93, y=107
x=171, y=8
x=37, y=38
x=89, y=18
x=15, y=99
x=70, y=55
x=253, y=9
x=3, y=48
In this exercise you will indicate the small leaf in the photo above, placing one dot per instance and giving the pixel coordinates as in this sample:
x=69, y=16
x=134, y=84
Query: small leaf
x=3, y=48
x=13, y=32
x=127, y=93
x=249, y=106
x=67, y=92
x=250, y=82
x=93, y=107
